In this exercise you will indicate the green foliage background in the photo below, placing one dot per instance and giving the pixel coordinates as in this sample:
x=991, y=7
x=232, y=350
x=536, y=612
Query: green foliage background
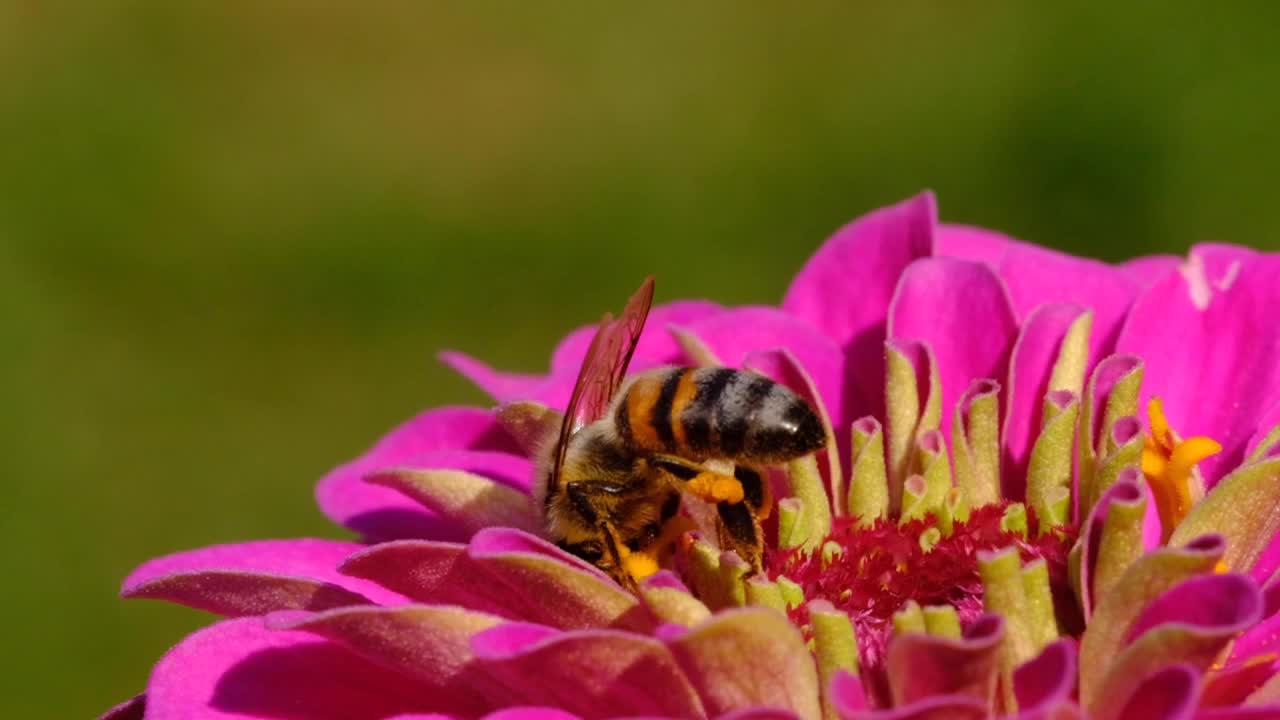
x=234, y=234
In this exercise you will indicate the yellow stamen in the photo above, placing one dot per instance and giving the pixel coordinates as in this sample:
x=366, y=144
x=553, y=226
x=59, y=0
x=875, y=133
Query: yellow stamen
x=1168, y=464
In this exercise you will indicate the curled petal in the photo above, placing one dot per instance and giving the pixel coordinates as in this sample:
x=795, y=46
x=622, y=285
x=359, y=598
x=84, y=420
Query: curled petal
x=1191, y=623
x=1166, y=694
x=712, y=654
x=256, y=578
x=1264, y=637
x=1143, y=582
x=1048, y=680
x=1126, y=492
x=238, y=669
x=589, y=672
x=1050, y=333
x=961, y=309
x=920, y=665
x=380, y=513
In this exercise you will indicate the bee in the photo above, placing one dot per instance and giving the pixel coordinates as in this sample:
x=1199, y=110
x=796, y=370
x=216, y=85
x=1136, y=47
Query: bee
x=611, y=484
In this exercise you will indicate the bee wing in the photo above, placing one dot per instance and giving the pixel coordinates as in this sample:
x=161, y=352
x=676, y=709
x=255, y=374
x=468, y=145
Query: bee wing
x=602, y=369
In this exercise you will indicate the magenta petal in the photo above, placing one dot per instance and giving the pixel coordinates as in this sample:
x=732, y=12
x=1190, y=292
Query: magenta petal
x=381, y=513
x=431, y=572
x=1233, y=684
x=428, y=643
x=501, y=386
x=594, y=673
x=1036, y=275
x=238, y=669
x=257, y=577
x=550, y=586
x=953, y=707
x=1168, y=694
x=920, y=666
x=759, y=714
x=845, y=289
x=846, y=286
x=131, y=709
x=531, y=713
x=1124, y=491
x=734, y=334
x=1222, y=604
x=1209, y=339
x=1265, y=636
x=962, y=311
x=971, y=243
x=1034, y=354
x=514, y=471
x=1148, y=270
x=1048, y=680
x=1261, y=712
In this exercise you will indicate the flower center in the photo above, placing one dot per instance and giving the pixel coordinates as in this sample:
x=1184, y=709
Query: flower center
x=1169, y=463
x=871, y=572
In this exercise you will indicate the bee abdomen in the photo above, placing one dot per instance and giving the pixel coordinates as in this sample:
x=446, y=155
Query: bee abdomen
x=701, y=413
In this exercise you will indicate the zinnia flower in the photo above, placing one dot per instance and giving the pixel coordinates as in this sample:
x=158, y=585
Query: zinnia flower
x=1051, y=491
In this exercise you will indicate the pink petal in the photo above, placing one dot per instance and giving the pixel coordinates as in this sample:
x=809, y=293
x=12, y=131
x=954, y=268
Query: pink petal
x=972, y=243
x=381, y=513
x=1232, y=685
x=920, y=666
x=1168, y=694
x=1036, y=275
x=723, y=656
x=257, y=577
x=531, y=713
x=845, y=289
x=1048, y=680
x=594, y=673
x=427, y=643
x=1034, y=354
x=238, y=669
x=1124, y=491
x=1150, y=269
x=1220, y=603
x=131, y=709
x=501, y=386
x=1263, y=638
x=1262, y=712
x=431, y=572
x=962, y=311
x=1209, y=339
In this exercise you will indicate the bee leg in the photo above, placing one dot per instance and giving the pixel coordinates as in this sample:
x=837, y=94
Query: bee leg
x=739, y=530
x=710, y=486
x=755, y=489
x=623, y=567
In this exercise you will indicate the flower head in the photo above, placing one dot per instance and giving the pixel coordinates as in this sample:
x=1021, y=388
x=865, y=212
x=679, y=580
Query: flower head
x=994, y=528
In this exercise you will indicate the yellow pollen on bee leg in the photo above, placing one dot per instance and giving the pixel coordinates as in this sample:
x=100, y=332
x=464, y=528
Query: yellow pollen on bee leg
x=641, y=564
x=714, y=488
x=1168, y=463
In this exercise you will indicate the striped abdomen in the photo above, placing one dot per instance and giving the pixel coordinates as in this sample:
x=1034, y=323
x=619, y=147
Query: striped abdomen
x=700, y=413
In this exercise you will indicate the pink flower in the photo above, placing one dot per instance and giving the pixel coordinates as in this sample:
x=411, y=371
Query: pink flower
x=1052, y=490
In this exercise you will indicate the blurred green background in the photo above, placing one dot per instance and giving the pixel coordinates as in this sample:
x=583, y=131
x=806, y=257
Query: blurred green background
x=233, y=235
